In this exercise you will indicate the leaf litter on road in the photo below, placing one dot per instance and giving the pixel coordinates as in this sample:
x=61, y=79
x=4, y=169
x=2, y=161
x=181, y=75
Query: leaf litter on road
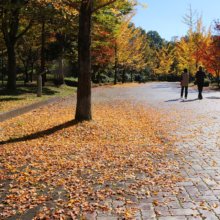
x=69, y=169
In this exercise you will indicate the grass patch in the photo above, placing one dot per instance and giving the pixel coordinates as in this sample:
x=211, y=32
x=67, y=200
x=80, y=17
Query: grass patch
x=191, y=84
x=214, y=85
x=25, y=95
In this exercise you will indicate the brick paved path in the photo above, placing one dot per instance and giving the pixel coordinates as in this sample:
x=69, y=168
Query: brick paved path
x=197, y=123
x=198, y=197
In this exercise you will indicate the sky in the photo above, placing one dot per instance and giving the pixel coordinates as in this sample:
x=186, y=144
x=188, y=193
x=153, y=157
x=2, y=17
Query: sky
x=165, y=16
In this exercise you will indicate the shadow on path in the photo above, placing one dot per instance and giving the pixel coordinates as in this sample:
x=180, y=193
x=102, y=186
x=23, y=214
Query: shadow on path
x=184, y=100
x=212, y=97
x=172, y=100
x=189, y=100
x=41, y=133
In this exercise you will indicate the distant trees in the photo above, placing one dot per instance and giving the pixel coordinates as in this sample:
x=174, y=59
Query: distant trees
x=155, y=40
x=62, y=21
x=163, y=61
x=13, y=15
x=131, y=46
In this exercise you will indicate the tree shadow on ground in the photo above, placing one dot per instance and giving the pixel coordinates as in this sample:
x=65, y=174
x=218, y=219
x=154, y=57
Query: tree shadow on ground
x=41, y=134
x=29, y=88
x=10, y=99
x=212, y=97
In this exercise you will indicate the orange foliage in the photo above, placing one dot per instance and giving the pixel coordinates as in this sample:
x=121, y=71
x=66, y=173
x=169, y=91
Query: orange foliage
x=51, y=156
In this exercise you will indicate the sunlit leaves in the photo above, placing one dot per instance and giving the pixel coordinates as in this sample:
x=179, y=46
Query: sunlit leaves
x=69, y=159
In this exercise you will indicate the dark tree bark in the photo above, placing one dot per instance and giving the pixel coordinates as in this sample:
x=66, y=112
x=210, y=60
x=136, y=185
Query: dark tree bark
x=60, y=38
x=123, y=76
x=2, y=67
x=131, y=74
x=43, y=54
x=32, y=70
x=10, y=24
x=11, y=66
x=99, y=78
x=83, y=106
x=26, y=74
x=116, y=63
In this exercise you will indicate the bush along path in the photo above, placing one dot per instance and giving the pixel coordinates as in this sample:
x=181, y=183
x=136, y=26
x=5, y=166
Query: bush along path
x=130, y=162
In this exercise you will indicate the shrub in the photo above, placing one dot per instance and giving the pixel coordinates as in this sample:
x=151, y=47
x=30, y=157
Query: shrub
x=104, y=78
x=119, y=79
x=206, y=83
x=71, y=83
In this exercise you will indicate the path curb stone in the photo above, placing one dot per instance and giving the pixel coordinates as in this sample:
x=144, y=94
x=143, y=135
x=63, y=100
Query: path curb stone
x=22, y=110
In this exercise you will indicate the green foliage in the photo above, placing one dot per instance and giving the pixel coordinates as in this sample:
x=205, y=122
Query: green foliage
x=206, y=83
x=155, y=40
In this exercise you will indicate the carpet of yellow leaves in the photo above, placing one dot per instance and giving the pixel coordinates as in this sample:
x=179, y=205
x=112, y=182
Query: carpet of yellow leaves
x=135, y=84
x=46, y=152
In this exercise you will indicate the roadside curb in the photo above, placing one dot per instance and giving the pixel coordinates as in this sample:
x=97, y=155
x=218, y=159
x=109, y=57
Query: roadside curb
x=22, y=110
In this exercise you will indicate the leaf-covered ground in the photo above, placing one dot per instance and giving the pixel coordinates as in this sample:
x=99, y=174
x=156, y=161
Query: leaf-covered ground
x=55, y=167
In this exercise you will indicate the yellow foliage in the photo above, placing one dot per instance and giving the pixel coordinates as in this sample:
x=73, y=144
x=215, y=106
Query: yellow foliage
x=162, y=61
x=131, y=45
x=187, y=46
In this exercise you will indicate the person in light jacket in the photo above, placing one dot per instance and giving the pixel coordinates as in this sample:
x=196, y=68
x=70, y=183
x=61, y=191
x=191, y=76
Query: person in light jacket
x=184, y=83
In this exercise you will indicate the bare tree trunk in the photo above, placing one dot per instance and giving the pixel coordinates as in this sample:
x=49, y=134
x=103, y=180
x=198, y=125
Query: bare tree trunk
x=11, y=67
x=83, y=106
x=60, y=73
x=43, y=54
x=98, y=77
x=116, y=63
x=26, y=74
x=32, y=70
x=218, y=78
x=123, y=76
x=131, y=74
x=2, y=67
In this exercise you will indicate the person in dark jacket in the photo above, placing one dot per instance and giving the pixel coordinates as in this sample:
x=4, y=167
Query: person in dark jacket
x=200, y=76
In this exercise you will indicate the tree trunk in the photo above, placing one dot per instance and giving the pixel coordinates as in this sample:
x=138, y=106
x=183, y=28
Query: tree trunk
x=116, y=63
x=2, y=67
x=83, y=106
x=11, y=67
x=26, y=74
x=43, y=54
x=218, y=79
x=32, y=70
x=131, y=75
x=60, y=73
x=123, y=76
x=98, y=77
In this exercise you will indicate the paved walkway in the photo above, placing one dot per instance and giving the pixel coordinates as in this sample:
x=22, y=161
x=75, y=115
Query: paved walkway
x=195, y=125
x=198, y=197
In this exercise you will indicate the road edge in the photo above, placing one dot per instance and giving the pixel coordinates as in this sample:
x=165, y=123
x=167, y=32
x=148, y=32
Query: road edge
x=25, y=109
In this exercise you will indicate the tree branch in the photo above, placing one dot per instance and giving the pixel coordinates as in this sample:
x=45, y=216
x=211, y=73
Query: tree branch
x=71, y=4
x=88, y=5
x=26, y=29
x=101, y=6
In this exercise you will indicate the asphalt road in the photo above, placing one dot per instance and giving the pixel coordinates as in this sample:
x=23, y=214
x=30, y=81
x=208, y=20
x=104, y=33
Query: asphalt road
x=162, y=95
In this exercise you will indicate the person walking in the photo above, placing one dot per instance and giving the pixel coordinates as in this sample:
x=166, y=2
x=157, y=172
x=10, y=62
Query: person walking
x=200, y=76
x=184, y=83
